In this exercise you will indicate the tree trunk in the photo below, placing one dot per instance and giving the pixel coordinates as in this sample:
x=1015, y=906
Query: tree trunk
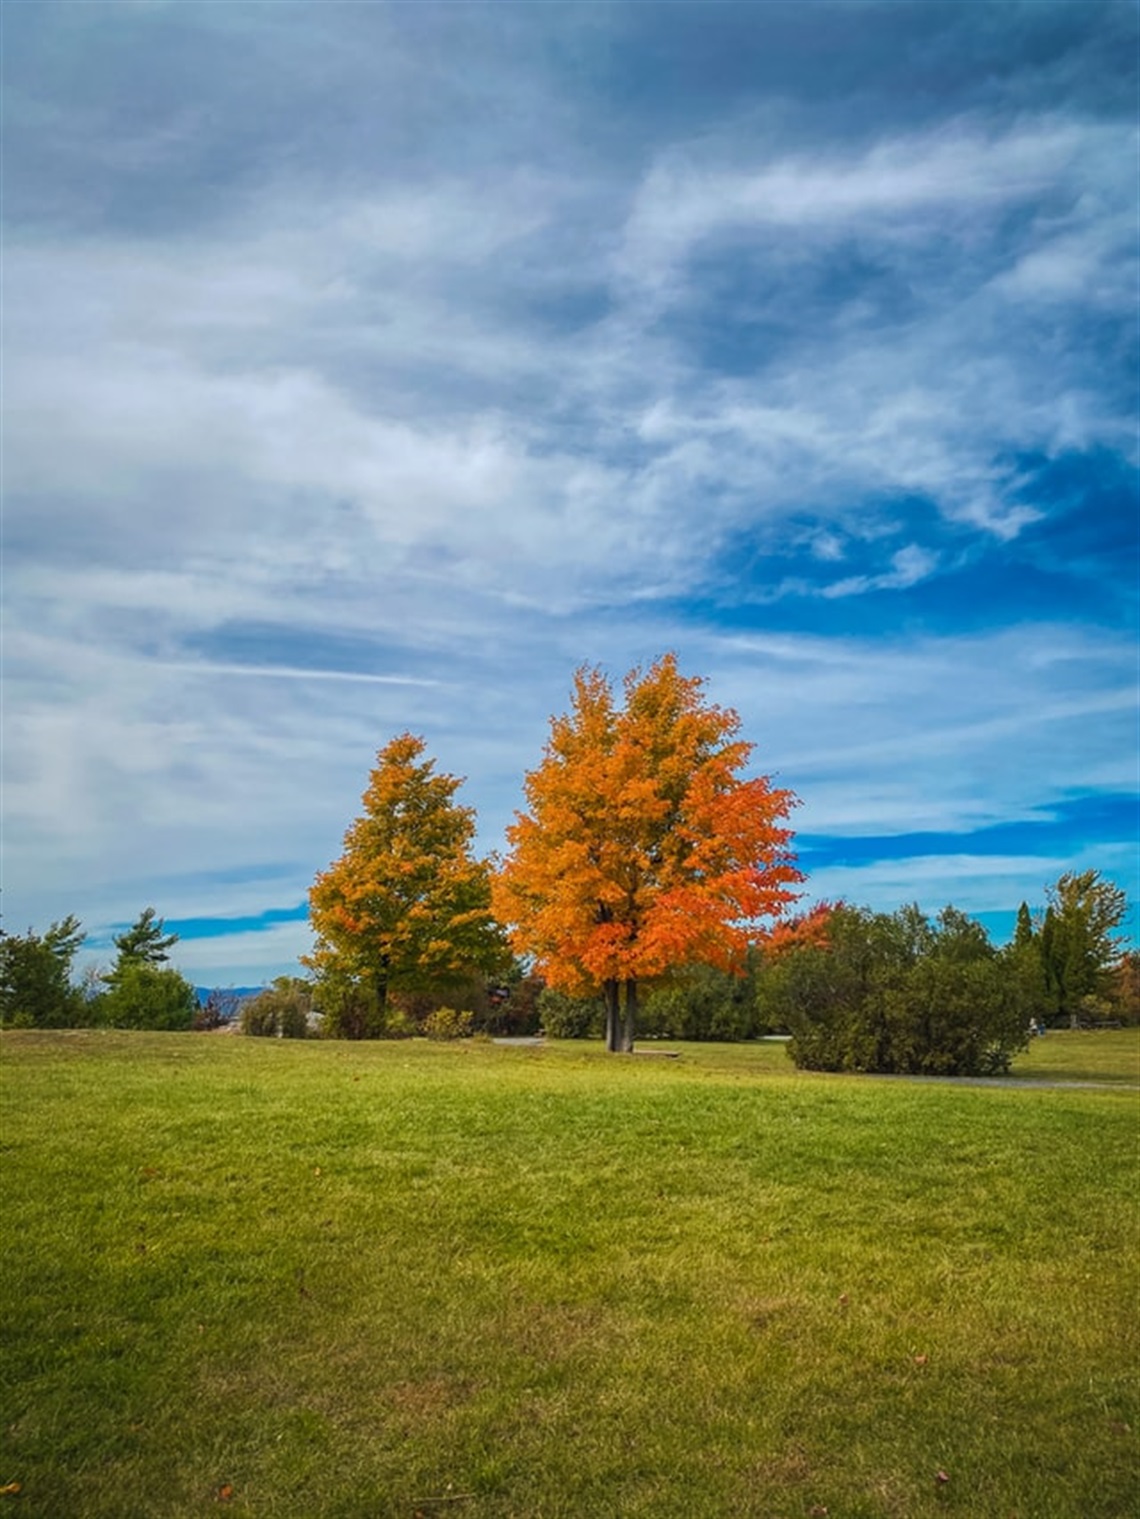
x=378, y=1013
x=613, y=1019
x=621, y=1015
x=629, y=1018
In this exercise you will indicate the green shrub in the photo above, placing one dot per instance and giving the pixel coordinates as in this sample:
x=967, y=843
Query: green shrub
x=512, y=1003
x=565, y=1017
x=348, y=1009
x=407, y=1009
x=281, y=1011
x=897, y=993
x=701, y=1002
x=144, y=996
x=399, y=1024
x=447, y=1023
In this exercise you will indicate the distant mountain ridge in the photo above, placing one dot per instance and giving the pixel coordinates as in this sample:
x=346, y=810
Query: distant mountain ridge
x=242, y=993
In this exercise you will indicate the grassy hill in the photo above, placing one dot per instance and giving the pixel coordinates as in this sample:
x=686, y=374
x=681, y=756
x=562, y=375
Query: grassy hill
x=318, y=1279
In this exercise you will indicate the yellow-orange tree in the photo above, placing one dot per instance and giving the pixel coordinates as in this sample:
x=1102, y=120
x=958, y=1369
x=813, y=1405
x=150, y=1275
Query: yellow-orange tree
x=407, y=907
x=644, y=847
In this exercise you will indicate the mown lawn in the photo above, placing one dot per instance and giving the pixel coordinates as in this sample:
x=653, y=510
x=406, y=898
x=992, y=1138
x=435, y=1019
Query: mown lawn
x=342, y=1280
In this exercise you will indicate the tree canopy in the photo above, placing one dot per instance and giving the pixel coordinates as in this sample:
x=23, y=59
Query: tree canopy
x=644, y=847
x=145, y=995
x=896, y=992
x=407, y=906
x=146, y=942
x=35, y=977
x=1079, y=950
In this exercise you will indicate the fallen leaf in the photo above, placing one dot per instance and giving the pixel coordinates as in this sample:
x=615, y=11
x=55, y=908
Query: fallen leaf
x=12, y=1487
x=225, y=1492
x=817, y=1511
x=942, y=1477
x=316, y=1170
x=843, y=1300
x=921, y=1360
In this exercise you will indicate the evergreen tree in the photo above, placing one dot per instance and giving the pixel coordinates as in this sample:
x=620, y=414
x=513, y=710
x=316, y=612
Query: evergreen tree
x=146, y=942
x=1023, y=935
x=35, y=977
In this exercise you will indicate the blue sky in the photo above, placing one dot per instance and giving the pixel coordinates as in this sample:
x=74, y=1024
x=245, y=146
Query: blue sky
x=370, y=367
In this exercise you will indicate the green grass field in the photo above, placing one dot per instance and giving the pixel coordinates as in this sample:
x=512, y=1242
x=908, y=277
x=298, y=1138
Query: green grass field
x=325, y=1279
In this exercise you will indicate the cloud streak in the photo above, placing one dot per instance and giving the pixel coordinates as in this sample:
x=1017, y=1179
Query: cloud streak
x=388, y=410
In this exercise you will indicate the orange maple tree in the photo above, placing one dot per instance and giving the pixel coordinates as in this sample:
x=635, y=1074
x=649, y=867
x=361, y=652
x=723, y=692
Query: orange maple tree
x=407, y=906
x=644, y=848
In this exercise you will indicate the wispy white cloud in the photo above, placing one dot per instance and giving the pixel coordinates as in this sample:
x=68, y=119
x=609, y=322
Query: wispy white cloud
x=925, y=387
x=485, y=414
x=988, y=884
x=909, y=565
x=245, y=958
x=887, y=189
x=291, y=672
x=889, y=736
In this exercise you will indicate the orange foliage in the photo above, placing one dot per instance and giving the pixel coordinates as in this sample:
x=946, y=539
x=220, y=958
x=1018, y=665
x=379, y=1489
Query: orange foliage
x=643, y=847
x=407, y=904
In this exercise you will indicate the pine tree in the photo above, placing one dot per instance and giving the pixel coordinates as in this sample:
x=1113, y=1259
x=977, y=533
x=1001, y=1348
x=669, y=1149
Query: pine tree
x=35, y=977
x=146, y=942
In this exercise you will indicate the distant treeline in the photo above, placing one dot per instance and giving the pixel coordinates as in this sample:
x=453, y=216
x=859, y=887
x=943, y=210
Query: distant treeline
x=854, y=989
x=646, y=892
